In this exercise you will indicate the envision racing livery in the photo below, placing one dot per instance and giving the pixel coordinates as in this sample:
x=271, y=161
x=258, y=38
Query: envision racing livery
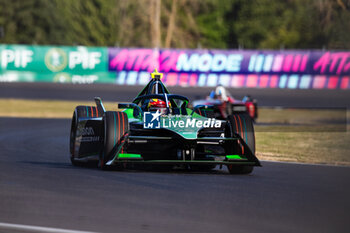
x=158, y=128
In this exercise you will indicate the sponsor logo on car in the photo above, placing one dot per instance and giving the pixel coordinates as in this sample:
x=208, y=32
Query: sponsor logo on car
x=87, y=134
x=87, y=131
x=157, y=120
x=90, y=139
x=151, y=120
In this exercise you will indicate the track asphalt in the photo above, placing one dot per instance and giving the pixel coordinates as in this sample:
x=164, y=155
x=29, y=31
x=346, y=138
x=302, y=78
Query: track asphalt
x=39, y=186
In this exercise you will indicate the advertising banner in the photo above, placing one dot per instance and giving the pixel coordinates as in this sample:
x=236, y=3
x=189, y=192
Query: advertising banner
x=54, y=64
x=300, y=69
x=230, y=61
x=234, y=68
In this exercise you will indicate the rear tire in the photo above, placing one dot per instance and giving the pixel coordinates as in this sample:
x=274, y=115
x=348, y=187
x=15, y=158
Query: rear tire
x=242, y=124
x=80, y=111
x=116, y=124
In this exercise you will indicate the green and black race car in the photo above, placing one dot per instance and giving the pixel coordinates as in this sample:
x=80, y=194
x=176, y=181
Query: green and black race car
x=159, y=129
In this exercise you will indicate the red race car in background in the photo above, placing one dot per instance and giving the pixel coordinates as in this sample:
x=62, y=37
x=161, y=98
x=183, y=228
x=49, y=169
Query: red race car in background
x=224, y=104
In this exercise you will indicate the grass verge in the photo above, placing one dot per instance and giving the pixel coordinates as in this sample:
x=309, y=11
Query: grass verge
x=319, y=136
x=44, y=108
x=305, y=147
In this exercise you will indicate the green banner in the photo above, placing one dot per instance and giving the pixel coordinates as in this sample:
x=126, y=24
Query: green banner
x=48, y=59
x=78, y=64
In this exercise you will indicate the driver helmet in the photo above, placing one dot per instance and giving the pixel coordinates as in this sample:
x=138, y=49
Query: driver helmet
x=158, y=104
x=221, y=93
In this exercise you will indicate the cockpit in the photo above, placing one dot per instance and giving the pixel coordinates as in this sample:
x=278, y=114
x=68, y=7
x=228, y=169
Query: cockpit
x=155, y=97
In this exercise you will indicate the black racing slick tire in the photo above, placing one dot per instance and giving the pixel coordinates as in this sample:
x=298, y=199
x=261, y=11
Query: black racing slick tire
x=116, y=125
x=242, y=124
x=79, y=112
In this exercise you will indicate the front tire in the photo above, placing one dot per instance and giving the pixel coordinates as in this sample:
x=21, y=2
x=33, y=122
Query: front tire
x=116, y=124
x=242, y=124
x=79, y=111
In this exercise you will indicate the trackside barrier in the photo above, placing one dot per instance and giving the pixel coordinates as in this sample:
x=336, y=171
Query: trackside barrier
x=293, y=69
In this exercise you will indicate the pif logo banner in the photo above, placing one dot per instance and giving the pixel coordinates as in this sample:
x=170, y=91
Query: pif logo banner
x=56, y=59
x=16, y=57
x=52, y=59
x=78, y=59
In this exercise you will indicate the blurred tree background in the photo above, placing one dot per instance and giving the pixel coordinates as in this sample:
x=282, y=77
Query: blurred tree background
x=248, y=24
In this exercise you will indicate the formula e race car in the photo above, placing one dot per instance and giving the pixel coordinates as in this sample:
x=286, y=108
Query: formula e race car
x=158, y=129
x=224, y=104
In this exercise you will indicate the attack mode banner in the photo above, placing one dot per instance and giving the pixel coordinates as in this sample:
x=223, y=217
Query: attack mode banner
x=236, y=68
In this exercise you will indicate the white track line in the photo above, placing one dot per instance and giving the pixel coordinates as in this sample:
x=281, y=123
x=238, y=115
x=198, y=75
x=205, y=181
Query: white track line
x=27, y=228
x=307, y=164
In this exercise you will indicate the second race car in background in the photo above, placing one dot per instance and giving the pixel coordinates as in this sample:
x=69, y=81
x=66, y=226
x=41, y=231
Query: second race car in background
x=225, y=105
